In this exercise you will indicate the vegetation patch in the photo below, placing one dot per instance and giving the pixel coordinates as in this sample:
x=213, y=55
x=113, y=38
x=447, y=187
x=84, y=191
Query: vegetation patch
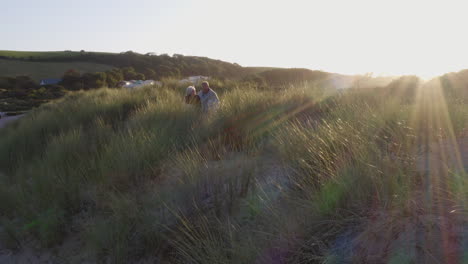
x=286, y=177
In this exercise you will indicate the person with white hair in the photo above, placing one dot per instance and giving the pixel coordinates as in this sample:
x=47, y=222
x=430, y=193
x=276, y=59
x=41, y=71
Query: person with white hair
x=191, y=96
x=208, y=98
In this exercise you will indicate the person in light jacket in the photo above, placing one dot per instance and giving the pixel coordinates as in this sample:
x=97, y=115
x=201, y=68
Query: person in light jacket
x=208, y=98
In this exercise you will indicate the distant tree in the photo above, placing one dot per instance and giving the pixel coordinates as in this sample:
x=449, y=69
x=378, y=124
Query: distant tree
x=55, y=91
x=176, y=73
x=139, y=76
x=129, y=73
x=168, y=71
x=113, y=77
x=94, y=80
x=150, y=74
x=72, y=80
x=25, y=83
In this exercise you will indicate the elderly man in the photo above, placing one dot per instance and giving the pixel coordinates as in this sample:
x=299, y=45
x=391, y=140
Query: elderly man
x=208, y=98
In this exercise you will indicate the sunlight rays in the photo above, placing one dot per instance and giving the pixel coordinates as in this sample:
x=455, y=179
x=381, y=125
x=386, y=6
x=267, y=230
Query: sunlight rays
x=441, y=157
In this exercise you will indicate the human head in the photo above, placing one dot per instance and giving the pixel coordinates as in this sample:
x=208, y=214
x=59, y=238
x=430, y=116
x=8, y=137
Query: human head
x=190, y=91
x=205, y=86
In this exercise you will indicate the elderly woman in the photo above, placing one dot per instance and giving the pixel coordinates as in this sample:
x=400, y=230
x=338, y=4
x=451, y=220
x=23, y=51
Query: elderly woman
x=191, y=96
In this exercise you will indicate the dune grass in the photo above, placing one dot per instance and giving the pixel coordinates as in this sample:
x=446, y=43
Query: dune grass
x=271, y=177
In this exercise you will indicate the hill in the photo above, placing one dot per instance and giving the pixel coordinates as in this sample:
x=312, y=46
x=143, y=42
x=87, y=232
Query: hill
x=149, y=64
x=41, y=54
x=38, y=70
x=161, y=66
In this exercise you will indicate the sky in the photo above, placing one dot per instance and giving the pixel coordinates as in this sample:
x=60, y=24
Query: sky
x=394, y=37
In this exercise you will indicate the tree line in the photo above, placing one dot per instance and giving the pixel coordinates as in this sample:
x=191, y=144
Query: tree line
x=73, y=80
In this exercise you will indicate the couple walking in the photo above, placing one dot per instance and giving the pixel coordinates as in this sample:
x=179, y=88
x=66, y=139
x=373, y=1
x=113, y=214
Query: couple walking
x=207, y=99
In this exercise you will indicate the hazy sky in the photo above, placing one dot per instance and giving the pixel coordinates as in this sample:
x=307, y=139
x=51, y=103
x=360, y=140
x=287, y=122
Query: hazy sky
x=385, y=37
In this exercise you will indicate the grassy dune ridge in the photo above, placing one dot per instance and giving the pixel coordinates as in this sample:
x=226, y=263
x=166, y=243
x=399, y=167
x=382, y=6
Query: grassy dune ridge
x=272, y=177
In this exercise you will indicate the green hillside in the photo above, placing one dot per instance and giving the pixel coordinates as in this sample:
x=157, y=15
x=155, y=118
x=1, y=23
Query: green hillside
x=162, y=66
x=41, y=54
x=41, y=70
x=152, y=65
